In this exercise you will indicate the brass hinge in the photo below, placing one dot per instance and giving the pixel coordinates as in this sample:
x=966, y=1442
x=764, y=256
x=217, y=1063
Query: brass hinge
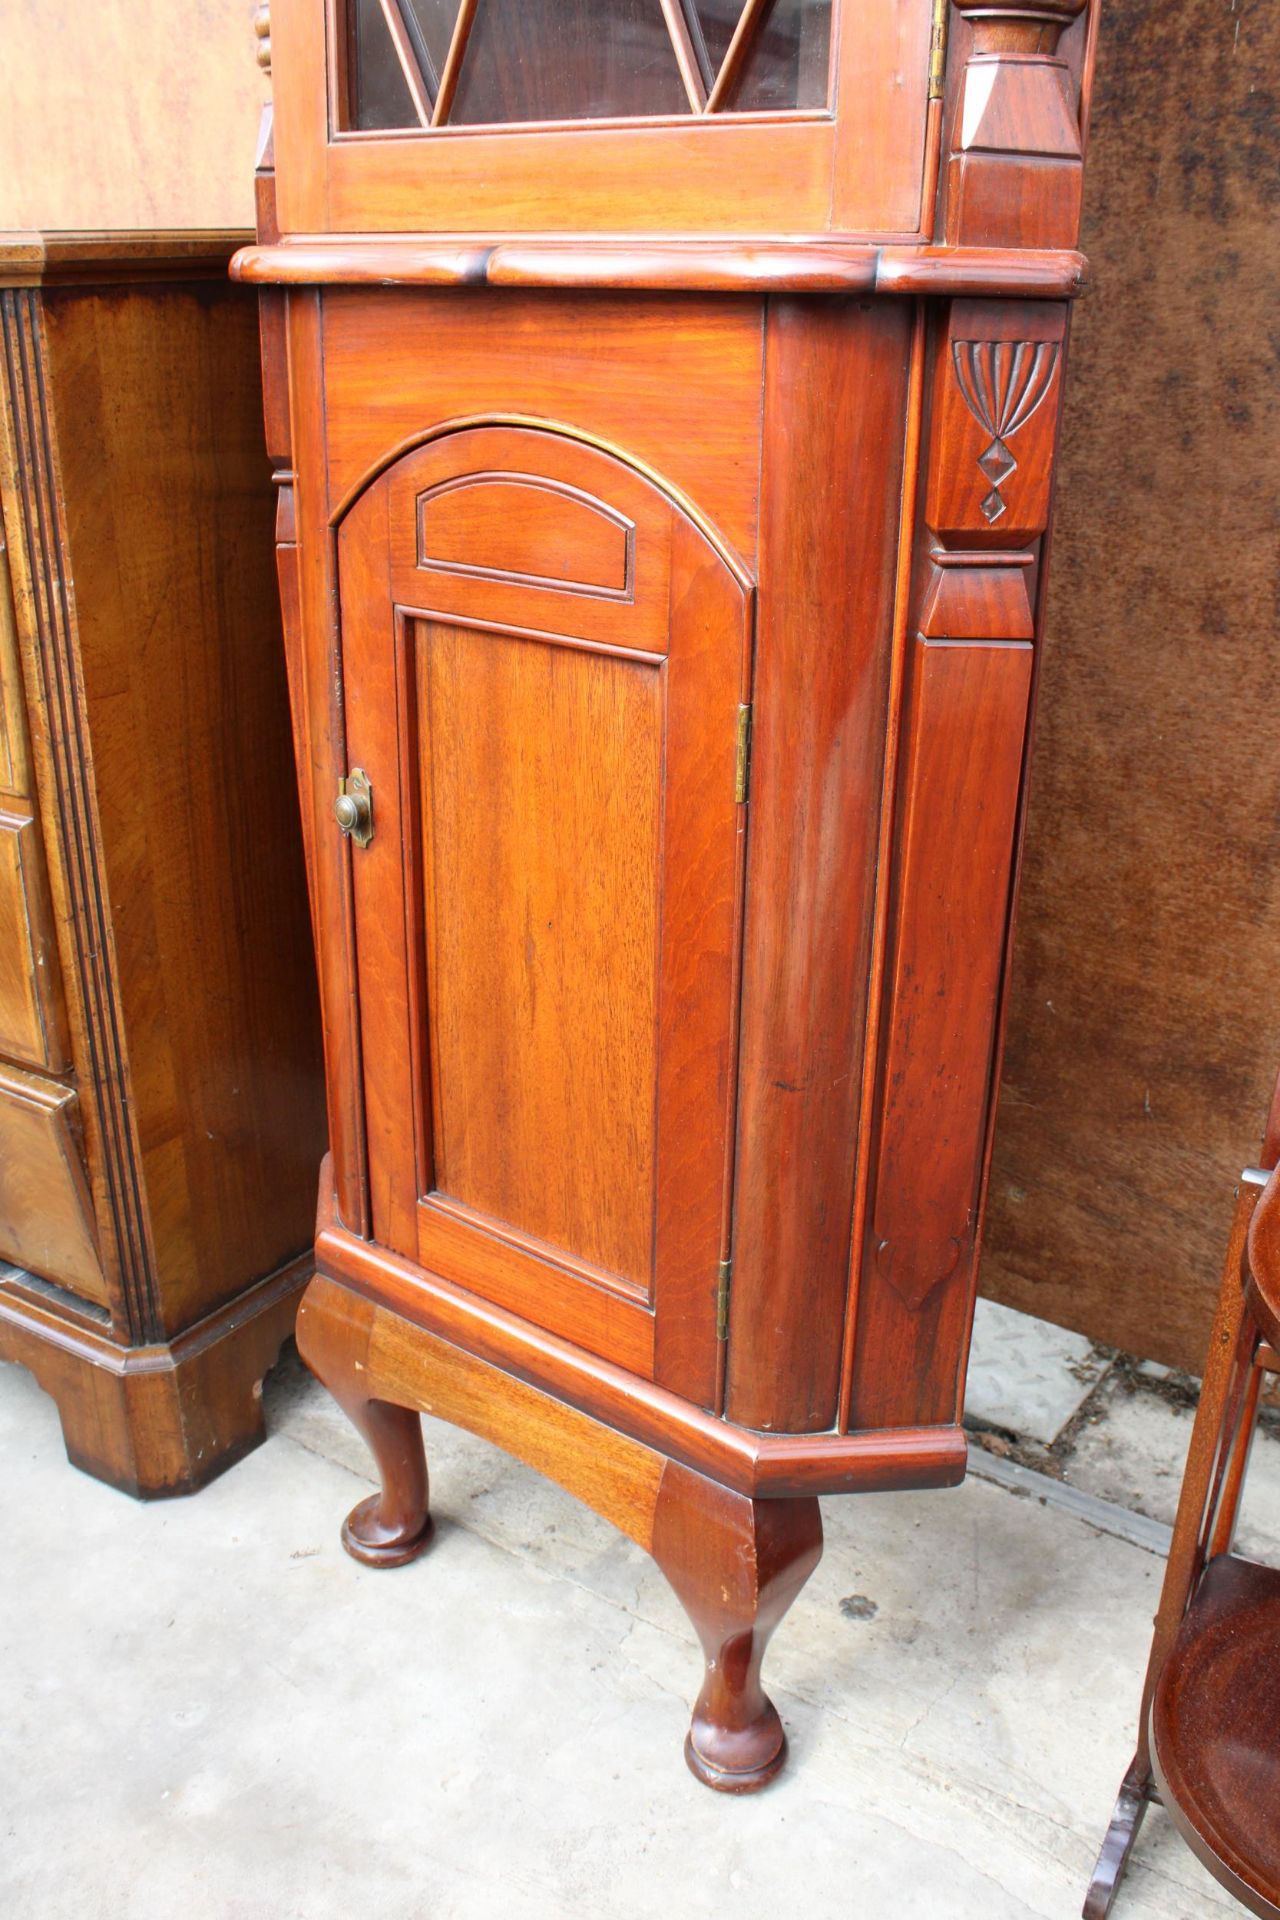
x=722, y=1300
x=938, y=49
x=742, y=775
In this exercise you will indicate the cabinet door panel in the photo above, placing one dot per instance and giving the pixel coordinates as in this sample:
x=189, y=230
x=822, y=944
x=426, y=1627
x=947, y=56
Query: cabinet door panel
x=502, y=526
x=547, y=916
x=14, y=775
x=32, y=1020
x=541, y=834
x=46, y=1216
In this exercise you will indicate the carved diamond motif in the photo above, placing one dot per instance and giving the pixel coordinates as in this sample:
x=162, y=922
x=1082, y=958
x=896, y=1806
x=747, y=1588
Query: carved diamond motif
x=997, y=462
x=1003, y=383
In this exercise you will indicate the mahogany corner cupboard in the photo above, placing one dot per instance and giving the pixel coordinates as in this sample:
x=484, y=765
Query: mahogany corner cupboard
x=663, y=395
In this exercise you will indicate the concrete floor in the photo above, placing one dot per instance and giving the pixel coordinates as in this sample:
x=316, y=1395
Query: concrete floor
x=210, y=1712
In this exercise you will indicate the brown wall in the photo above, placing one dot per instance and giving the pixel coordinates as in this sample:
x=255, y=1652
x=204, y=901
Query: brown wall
x=1145, y=1025
x=115, y=114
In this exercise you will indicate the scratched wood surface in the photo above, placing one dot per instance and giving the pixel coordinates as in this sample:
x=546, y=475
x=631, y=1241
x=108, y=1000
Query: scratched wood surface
x=1145, y=1026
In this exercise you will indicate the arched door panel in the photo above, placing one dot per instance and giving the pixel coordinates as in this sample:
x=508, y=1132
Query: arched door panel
x=545, y=658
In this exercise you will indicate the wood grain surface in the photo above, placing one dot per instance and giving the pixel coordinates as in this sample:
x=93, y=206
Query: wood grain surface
x=1145, y=1026
x=834, y=393
x=546, y=913
x=408, y=361
x=542, y=819
x=155, y=1165
x=963, y=755
x=168, y=532
x=46, y=1217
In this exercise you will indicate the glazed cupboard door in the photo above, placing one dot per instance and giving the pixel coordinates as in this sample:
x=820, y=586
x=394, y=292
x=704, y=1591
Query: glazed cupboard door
x=604, y=116
x=544, y=660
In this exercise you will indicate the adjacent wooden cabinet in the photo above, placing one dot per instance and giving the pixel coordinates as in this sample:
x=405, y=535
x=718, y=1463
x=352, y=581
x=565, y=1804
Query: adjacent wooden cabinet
x=664, y=398
x=161, y=1103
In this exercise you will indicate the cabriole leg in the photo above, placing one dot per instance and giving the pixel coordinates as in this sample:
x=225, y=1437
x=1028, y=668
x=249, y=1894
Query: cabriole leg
x=394, y=1525
x=736, y=1565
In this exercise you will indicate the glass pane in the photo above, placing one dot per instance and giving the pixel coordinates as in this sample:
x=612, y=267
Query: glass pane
x=380, y=96
x=713, y=21
x=567, y=60
x=381, y=93
x=542, y=60
x=429, y=24
x=786, y=64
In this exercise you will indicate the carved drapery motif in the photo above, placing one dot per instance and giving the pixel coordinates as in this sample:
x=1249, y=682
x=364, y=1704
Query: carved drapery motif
x=1003, y=382
x=995, y=387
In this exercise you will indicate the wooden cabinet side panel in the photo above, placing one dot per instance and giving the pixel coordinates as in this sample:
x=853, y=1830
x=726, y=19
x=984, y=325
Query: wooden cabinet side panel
x=835, y=399
x=157, y=397
x=320, y=731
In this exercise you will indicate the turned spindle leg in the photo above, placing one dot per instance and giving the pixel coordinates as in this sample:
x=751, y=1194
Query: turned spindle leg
x=736, y=1565
x=394, y=1525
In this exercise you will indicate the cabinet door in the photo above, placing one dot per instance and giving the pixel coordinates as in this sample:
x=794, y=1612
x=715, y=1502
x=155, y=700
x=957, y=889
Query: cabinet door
x=543, y=659
x=600, y=116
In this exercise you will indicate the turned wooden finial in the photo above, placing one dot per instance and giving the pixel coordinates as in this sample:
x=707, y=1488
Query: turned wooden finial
x=262, y=28
x=1023, y=26
x=1014, y=170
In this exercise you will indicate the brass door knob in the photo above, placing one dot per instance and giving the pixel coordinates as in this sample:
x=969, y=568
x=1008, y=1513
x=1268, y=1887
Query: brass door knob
x=353, y=808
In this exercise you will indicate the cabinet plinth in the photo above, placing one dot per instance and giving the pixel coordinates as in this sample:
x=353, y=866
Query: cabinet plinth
x=671, y=599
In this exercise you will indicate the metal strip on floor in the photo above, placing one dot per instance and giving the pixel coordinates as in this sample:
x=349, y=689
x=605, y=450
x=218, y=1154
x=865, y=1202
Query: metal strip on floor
x=1104, y=1515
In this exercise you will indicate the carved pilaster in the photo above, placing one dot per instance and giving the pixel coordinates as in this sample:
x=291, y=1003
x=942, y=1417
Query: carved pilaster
x=44, y=604
x=985, y=499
